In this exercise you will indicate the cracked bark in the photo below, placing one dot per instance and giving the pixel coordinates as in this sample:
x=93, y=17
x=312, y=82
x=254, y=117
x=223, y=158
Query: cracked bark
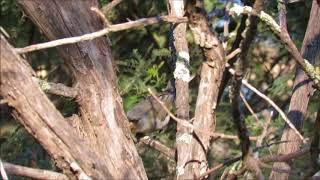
x=101, y=115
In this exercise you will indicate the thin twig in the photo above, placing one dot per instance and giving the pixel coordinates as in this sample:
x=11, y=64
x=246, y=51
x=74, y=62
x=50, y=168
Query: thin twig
x=159, y=147
x=106, y=8
x=308, y=68
x=249, y=108
x=32, y=172
x=101, y=15
x=285, y=157
x=91, y=36
x=277, y=108
x=189, y=125
x=233, y=54
x=273, y=158
x=264, y=131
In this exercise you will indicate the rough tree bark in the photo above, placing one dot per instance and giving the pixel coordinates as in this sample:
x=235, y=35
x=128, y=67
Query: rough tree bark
x=182, y=76
x=40, y=118
x=103, y=125
x=302, y=91
x=211, y=75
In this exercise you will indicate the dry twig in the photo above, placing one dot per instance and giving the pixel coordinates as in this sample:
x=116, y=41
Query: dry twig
x=277, y=108
x=32, y=172
x=91, y=36
x=159, y=147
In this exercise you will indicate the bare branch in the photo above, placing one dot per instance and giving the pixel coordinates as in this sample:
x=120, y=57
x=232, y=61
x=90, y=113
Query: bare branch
x=101, y=15
x=249, y=107
x=276, y=107
x=285, y=38
x=285, y=157
x=189, y=125
x=273, y=158
x=159, y=147
x=264, y=131
x=106, y=8
x=233, y=54
x=32, y=172
x=56, y=88
x=91, y=36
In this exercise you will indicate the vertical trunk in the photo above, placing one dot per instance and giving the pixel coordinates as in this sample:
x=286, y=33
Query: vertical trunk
x=302, y=91
x=182, y=76
x=103, y=122
x=211, y=75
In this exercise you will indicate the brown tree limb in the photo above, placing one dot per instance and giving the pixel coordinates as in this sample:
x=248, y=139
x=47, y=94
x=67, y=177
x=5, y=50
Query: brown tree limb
x=194, y=129
x=56, y=88
x=314, y=147
x=103, y=122
x=181, y=73
x=100, y=33
x=106, y=8
x=233, y=54
x=170, y=153
x=302, y=90
x=211, y=74
x=304, y=64
x=266, y=159
x=32, y=172
x=273, y=104
x=250, y=163
x=40, y=118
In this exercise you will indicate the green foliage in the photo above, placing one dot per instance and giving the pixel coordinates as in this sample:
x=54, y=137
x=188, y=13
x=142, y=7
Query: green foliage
x=143, y=60
x=138, y=73
x=279, y=86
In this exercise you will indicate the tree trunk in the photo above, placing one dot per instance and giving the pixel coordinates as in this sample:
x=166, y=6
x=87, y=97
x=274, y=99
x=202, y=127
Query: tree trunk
x=302, y=91
x=211, y=75
x=182, y=76
x=103, y=124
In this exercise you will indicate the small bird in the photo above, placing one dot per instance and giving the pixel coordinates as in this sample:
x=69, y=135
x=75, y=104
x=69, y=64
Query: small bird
x=148, y=116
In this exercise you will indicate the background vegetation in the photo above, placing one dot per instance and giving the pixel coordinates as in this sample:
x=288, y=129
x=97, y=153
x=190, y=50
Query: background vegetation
x=143, y=60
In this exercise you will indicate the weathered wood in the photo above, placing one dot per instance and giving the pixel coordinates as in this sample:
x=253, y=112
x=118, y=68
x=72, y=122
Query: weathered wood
x=32, y=172
x=211, y=75
x=38, y=115
x=302, y=91
x=182, y=76
x=103, y=121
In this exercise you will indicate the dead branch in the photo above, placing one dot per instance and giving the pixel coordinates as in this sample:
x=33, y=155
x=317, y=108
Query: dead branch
x=264, y=131
x=56, y=88
x=32, y=172
x=101, y=15
x=197, y=131
x=233, y=54
x=273, y=104
x=272, y=158
x=106, y=8
x=91, y=36
x=307, y=67
x=284, y=157
x=249, y=108
x=159, y=147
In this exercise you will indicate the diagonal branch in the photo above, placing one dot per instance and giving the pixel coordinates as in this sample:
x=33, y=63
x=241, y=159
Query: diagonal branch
x=91, y=36
x=56, y=88
x=159, y=147
x=32, y=172
x=307, y=67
